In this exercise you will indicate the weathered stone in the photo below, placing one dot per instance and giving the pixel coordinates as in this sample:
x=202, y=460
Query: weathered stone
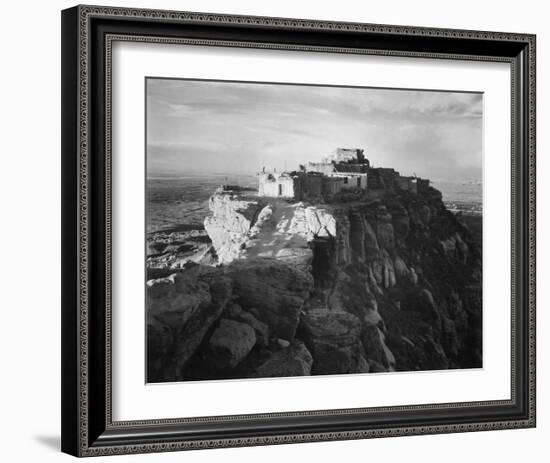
x=389, y=279
x=282, y=343
x=372, y=318
x=235, y=312
x=371, y=242
x=159, y=342
x=174, y=299
x=179, y=315
x=192, y=333
x=376, y=367
x=375, y=347
x=425, y=214
x=276, y=290
x=450, y=337
x=401, y=269
x=161, y=287
x=435, y=357
x=230, y=343
x=413, y=276
x=362, y=365
x=427, y=306
x=242, y=227
x=333, y=340
x=294, y=360
x=230, y=223
x=319, y=223
x=357, y=236
x=384, y=228
x=401, y=223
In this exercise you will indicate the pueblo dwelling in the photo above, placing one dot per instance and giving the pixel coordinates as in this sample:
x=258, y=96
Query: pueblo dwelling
x=346, y=170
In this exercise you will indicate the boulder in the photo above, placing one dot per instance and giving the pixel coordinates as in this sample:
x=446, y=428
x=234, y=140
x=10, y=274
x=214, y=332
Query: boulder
x=181, y=309
x=275, y=289
x=175, y=298
x=294, y=360
x=235, y=312
x=230, y=343
x=282, y=343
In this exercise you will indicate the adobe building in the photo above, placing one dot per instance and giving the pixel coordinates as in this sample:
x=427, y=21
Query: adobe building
x=382, y=178
x=350, y=155
x=292, y=185
x=331, y=186
x=353, y=175
x=349, y=165
x=274, y=184
x=346, y=170
x=324, y=167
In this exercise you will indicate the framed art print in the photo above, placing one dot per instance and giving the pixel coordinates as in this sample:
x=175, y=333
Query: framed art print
x=281, y=230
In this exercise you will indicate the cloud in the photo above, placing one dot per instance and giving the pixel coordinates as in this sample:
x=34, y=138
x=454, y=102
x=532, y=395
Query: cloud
x=228, y=125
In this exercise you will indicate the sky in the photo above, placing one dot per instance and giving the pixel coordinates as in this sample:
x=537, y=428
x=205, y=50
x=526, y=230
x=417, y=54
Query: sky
x=227, y=127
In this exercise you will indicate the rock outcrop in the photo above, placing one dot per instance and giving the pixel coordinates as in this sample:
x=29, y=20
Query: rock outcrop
x=181, y=309
x=294, y=360
x=252, y=227
x=273, y=291
x=230, y=343
x=384, y=283
x=333, y=339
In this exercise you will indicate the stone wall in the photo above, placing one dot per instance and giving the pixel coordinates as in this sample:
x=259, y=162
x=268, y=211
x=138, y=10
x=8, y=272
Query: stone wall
x=351, y=181
x=331, y=185
x=322, y=167
x=382, y=178
x=312, y=185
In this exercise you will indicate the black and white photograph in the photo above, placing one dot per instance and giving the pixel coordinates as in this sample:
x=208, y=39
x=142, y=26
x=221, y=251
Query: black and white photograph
x=296, y=230
x=282, y=226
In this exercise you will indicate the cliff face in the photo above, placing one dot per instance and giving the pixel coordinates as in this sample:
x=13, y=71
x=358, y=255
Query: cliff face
x=250, y=228
x=382, y=283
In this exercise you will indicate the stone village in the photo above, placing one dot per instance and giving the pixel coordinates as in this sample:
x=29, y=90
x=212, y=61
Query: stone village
x=346, y=170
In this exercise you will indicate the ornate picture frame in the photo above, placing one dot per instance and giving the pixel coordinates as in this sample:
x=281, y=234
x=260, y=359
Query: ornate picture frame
x=88, y=35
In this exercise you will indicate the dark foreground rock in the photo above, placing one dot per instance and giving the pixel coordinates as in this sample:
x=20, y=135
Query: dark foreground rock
x=203, y=322
x=294, y=360
x=181, y=309
x=273, y=291
x=261, y=330
x=230, y=343
x=333, y=339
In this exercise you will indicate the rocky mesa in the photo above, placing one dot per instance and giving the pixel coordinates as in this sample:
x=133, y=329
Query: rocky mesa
x=360, y=284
